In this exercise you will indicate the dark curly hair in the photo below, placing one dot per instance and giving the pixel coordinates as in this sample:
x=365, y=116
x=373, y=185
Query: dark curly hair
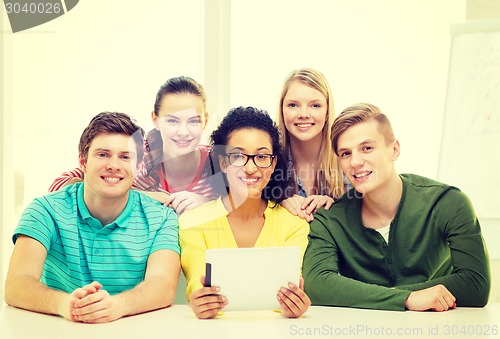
x=251, y=118
x=153, y=156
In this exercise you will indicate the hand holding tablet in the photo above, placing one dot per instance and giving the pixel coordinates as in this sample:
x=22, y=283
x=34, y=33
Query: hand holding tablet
x=250, y=278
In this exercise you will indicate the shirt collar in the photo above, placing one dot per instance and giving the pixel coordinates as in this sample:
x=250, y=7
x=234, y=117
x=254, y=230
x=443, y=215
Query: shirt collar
x=123, y=218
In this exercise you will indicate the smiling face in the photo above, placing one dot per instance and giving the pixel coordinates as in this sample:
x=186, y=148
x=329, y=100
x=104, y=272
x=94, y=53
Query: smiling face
x=249, y=180
x=110, y=166
x=304, y=112
x=366, y=158
x=181, y=121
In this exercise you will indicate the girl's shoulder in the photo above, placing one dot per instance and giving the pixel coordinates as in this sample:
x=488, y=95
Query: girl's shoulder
x=278, y=212
x=203, y=215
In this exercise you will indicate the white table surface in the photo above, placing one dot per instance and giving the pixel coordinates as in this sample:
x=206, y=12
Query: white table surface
x=179, y=321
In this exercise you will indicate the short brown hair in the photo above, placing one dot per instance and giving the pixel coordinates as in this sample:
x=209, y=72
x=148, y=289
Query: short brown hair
x=359, y=113
x=111, y=122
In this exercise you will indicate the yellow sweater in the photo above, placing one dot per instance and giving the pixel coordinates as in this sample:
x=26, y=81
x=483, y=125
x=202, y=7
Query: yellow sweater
x=207, y=227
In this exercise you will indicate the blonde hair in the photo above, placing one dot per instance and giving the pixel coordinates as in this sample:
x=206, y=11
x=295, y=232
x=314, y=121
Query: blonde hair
x=357, y=114
x=329, y=174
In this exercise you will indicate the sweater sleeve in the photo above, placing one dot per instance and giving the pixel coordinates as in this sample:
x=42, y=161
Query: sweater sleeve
x=142, y=181
x=325, y=286
x=470, y=280
x=64, y=178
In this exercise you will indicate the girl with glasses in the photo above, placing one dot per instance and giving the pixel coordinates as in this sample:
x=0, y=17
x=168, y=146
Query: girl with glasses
x=246, y=150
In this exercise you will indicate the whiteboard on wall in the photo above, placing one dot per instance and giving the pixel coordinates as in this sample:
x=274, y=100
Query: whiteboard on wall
x=470, y=147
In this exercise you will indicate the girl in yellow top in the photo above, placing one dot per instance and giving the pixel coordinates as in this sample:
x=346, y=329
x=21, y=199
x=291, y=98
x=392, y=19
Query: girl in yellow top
x=247, y=152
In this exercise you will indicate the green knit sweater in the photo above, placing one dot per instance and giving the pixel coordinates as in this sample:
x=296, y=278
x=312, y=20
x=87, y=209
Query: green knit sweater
x=435, y=238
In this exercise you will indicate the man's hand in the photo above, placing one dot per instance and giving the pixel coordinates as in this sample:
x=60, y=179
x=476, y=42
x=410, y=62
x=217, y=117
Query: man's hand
x=68, y=305
x=96, y=306
x=436, y=298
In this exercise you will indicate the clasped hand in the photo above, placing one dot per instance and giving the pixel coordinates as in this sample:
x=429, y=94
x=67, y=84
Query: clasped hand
x=92, y=304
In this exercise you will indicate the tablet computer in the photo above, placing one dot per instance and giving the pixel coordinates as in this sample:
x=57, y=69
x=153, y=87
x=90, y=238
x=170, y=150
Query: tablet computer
x=250, y=278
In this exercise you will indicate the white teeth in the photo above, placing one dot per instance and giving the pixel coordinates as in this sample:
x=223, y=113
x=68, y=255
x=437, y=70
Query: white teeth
x=183, y=142
x=111, y=179
x=249, y=180
x=304, y=125
x=358, y=176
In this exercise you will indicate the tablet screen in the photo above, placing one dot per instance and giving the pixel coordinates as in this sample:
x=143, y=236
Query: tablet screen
x=250, y=278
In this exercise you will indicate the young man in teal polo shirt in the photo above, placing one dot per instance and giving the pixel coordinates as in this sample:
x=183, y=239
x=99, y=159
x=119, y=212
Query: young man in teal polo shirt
x=97, y=251
x=393, y=242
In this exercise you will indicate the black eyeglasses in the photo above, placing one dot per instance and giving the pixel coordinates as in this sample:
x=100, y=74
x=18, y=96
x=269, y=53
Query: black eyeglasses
x=241, y=159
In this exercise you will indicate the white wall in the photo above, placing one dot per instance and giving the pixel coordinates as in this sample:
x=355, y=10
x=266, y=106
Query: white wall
x=391, y=53
x=2, y=170
x=114, y=55
x=99, y=56
x=6, y=165
x=102, y=55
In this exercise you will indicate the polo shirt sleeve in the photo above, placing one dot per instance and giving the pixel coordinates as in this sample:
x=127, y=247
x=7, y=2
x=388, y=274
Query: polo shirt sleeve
x=36, y=222
x=469, y=281
x=167, y=235
x=325, y=286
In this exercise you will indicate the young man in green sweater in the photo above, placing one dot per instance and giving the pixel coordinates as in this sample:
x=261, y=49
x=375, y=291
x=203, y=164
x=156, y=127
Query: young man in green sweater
x=393, y=242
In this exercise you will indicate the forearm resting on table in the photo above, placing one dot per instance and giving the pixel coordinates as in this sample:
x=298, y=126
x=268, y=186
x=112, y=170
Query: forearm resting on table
x=159, y=285
x=24, y=291
x=154, y=293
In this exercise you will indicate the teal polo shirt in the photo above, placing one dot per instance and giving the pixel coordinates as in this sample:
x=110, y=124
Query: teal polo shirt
x=81, y=250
